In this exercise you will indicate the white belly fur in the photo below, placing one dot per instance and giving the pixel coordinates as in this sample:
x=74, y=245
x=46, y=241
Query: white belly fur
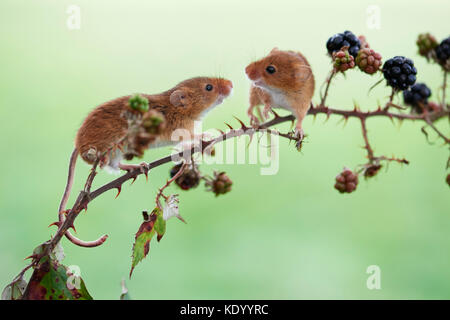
x=278, y=99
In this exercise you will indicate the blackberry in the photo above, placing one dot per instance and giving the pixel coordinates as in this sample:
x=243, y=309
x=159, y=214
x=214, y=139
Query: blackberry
x=426, y=44
x=139, y=103
x=343, y=60
x=399, y=72
x=346, y=181
x=443, y=52
x=368, y=60
x=190, y=177
x=153, y=122
x=417, y=96
x=345, y=39
x=221, y=183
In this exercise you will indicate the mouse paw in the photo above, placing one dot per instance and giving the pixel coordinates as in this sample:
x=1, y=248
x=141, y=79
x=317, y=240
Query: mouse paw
x=266, y=112
x=299, y=135
x=142, y=167
x=254, y=121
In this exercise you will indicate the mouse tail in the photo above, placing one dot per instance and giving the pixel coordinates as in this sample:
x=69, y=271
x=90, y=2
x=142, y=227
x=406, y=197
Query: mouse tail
x=65, y=198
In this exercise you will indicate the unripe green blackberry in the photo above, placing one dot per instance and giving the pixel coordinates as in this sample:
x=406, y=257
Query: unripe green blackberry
x=399, y=72
x=346, y=181
x=426, y=44
x=343, y=60
x=139, y=103
x=368, y=61
x=153, y=122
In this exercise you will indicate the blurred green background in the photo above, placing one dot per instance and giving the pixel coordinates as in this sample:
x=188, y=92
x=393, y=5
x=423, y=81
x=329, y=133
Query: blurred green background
x=289, y=235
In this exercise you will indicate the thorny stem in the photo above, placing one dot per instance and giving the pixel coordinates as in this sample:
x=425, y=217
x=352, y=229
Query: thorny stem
x=366, y=141
x=328, y=82
x=444, y=87
x=430, y=123
x=161, y=190
x=86, y=196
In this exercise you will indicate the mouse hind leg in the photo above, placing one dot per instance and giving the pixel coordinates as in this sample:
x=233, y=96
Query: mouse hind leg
x=300, y=114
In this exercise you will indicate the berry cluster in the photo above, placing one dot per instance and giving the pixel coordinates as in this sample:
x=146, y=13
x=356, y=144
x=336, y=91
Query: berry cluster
x=430, y=49
x=426, y=43
x=346, y=181
x=138, y=102
x=153, y=122
x=190, y=178
x=443, y=52
x=343, y=60
x=368, y=60
x=417, y=96
x=221, y=183
x=399, y=72
x=345, y=39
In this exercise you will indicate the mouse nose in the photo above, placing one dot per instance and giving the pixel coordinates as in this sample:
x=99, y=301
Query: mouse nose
x=225, y=87
x=251, y=72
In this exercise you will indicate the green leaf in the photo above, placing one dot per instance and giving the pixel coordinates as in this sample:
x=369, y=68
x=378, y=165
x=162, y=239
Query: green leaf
x=53, y=281
x=154, y=224
x=15, y=290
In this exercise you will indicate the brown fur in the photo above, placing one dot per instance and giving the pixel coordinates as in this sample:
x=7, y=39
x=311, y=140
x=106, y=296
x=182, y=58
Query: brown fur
x=105, y=127
x=293, y=80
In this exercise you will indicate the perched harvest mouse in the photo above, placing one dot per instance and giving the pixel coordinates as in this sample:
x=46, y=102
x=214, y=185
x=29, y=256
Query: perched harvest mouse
x=108, y=133
x=283, y=79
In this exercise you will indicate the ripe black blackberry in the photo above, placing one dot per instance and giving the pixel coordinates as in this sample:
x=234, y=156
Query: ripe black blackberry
x=417, y=96
x=443, y=51
x=399, y=72
x=345, y=39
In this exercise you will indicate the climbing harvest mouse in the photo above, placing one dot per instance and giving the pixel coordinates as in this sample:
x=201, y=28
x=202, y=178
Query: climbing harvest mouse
x=108, y=133
x=283, y=79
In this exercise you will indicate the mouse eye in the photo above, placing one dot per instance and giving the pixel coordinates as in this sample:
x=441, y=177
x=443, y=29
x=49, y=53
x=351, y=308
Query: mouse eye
x=209, y=87
x=271, y=69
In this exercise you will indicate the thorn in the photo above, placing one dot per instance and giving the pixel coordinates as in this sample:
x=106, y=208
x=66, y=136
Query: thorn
x=119, y=189
x=229, y=126
x=181, y=219
x=243, y=126
x=57, y=223
x=275, y=114
x=250, y=140
x=221, y=131
x=30, y=257
x=73, y=227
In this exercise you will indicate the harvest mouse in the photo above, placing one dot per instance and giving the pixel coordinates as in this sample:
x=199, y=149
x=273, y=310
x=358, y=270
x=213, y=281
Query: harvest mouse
x=109, y=131
x=283, y=79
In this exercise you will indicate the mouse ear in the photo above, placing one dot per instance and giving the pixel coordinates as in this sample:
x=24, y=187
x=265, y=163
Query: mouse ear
x=179, y=98
x=275, y=49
